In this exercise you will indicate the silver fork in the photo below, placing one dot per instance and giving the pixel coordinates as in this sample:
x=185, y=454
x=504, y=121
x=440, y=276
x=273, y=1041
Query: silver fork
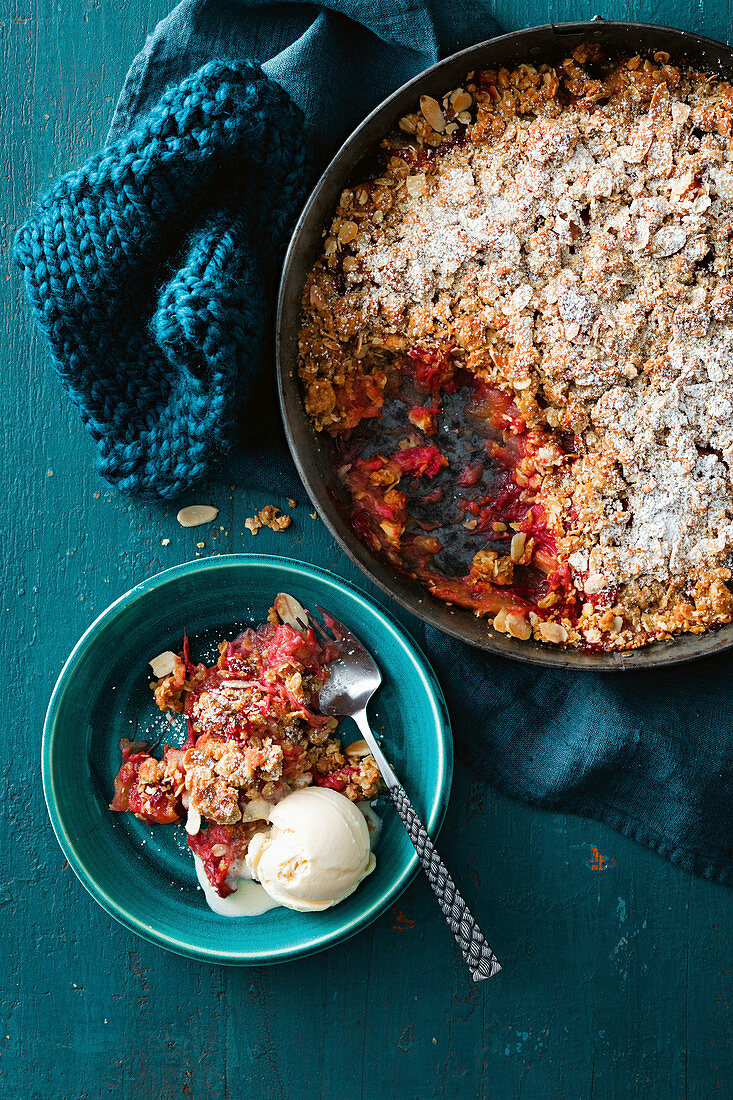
x=354, y=679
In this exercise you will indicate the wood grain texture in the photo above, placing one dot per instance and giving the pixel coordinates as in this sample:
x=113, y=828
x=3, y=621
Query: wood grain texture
x=617, y=966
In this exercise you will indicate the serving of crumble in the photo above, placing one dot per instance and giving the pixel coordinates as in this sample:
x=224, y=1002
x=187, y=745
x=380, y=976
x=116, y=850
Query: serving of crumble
x=254, y=735
x=520, y=336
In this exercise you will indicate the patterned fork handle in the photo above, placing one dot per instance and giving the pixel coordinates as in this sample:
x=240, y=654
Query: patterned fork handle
x=481, y=960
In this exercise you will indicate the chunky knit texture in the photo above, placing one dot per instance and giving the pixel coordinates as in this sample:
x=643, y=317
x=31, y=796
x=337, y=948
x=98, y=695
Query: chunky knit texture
x=151, y=272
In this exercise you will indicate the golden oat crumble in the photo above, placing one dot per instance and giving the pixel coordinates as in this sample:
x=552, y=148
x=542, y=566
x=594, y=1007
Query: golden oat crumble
x=253, y=735
x=558, y=241
x=269, y=516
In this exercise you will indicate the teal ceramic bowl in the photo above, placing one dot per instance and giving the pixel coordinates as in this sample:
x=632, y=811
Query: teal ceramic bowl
x=144, y=875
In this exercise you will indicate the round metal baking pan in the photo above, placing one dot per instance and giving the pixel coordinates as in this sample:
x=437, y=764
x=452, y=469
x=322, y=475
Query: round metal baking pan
x=313, y=452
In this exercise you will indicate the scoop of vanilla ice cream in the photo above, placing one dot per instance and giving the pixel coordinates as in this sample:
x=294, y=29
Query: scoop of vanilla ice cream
x=316, y=852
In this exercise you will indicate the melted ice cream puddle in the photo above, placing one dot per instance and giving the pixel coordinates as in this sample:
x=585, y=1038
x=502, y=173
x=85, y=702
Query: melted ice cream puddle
x=248, y=900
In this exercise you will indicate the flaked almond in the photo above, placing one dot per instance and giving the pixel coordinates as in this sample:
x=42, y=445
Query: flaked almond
x=357, y=748
x=668, y=240
x=500, y=620
x=596, y=582
x=521, y=297
x=432, y=113
x=218, y=850
x=316, y=298
x=517, y=548
x=461, y=102
x=680, y=113
x=196, y=514
x=415, y=185
x=193, y=821
x=163, y=664
x=290, y=611
x=407, y=124
x=347, y=232
x=517, y=626
x=641, y=238
x=256, y=810
x=553, y=632
x=640, y=145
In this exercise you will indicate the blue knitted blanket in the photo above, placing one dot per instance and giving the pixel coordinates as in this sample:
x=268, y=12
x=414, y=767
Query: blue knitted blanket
x=151, y=270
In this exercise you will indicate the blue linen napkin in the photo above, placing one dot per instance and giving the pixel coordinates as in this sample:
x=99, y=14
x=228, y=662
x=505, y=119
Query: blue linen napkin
x=142, y=270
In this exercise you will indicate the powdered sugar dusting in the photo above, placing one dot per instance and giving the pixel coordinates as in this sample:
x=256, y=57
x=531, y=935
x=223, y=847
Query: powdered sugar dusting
x=577, y=220
x=559, y=246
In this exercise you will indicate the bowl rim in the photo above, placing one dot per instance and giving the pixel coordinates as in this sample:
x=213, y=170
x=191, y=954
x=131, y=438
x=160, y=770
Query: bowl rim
x=434, y=817
x=681, y=648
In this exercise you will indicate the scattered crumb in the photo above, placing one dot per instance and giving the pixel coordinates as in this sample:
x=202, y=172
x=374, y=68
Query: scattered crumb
x=292, y=503
x=165, y=542
x=201, y=545
x=269, y=516
x=96, y=496
x=50, y=473
x=314, y=515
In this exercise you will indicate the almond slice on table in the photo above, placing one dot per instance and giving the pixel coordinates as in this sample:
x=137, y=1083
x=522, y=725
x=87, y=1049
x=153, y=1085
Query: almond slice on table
x=196, y=514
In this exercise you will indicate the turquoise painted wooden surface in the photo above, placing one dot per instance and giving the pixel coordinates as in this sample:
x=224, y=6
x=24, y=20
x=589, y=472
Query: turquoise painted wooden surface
x=617, y=980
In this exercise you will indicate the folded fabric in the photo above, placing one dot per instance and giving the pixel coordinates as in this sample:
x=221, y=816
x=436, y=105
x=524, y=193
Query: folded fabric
x=160, y=243
x=151, y=272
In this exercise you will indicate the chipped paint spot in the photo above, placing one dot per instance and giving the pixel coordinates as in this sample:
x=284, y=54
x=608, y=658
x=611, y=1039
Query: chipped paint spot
x=405, y=1040
x=401, y=921
x=621, y=910
x=599, y=862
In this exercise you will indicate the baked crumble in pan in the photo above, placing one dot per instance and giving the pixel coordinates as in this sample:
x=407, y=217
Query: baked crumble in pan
x=520, y=337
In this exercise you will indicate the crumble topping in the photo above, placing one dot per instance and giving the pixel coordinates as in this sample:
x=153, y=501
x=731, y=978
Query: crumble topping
x=255, y=734
x=558, y=250
x=269, y=516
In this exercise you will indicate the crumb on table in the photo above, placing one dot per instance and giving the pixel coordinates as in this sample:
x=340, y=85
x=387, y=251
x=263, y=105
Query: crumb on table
x=269, y=516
